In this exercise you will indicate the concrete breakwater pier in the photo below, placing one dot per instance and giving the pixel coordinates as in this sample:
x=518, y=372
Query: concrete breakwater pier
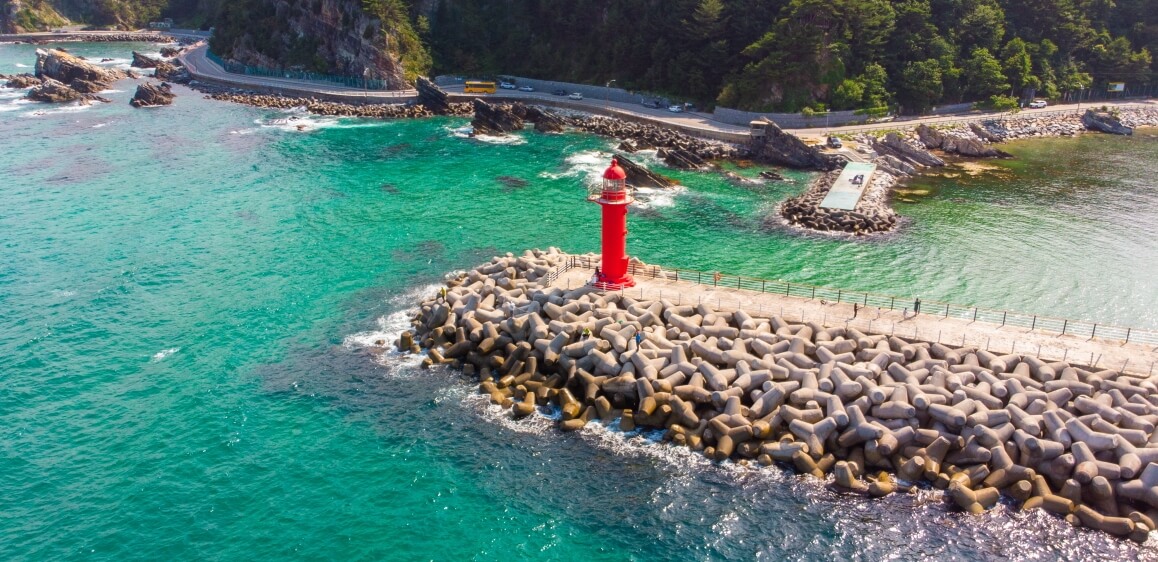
x=822, y=393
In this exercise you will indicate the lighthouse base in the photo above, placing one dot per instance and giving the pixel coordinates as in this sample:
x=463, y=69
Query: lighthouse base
x=612, y=283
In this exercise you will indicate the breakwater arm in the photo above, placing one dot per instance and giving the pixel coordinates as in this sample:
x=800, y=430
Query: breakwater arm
x=752, y=386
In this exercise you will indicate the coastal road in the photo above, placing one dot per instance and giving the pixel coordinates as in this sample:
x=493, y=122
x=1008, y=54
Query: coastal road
x=196, y=60
x=692, y=122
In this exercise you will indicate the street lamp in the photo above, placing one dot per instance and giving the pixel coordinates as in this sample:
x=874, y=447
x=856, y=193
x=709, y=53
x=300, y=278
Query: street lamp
x=607, y=95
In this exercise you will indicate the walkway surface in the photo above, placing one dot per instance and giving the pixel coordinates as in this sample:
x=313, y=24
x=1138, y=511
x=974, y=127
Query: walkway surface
x=1096, y=353
x=849, y=187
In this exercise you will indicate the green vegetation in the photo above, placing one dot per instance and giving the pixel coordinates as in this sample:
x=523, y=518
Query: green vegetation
x=786, y=55
x=32, y=16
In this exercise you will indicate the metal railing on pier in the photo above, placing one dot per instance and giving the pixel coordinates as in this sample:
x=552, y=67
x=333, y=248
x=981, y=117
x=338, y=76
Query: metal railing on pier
x=1032, y=322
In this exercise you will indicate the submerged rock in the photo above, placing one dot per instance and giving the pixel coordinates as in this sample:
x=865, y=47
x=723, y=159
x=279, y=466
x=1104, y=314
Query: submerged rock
x=149, y=95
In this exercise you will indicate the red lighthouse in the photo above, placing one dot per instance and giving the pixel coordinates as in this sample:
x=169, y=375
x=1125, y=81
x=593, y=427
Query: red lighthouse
x=614, y=199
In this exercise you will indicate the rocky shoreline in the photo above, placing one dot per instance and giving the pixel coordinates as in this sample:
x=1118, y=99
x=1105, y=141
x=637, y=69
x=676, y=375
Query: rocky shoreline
x=901, y=154
x=880, y=414
x=126, y=37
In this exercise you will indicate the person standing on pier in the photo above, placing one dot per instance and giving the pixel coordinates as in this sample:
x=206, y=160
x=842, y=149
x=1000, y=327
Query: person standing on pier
x=917, y=306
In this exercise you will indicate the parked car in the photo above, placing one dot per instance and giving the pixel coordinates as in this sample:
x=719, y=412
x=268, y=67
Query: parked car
x=834, y=142
x=560, y=92
x=676, y=109
x=576, y=96
x=654, y=104
x=526, y=89
x=1037, y=104
x=506, y=85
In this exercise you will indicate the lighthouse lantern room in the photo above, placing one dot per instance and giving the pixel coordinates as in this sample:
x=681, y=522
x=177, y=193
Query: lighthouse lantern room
x=614, y=199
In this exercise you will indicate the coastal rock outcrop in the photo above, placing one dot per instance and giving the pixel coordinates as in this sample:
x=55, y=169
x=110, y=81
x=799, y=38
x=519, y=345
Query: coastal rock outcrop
x=780, y=148
x=681, y=158
x=432, y=97
x=545, y=121
x=142, y=61
x=54, y=91
x=1105, y=122
x=152, y=95
x=895, y=145
x=495, y=119
x=952, y=144
x=170, y=52
x=172, y=72
x=21, y=81
x=638, y=176
x=65, y=67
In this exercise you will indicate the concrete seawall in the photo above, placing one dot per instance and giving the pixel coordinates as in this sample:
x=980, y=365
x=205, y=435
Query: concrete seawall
x=820, y=392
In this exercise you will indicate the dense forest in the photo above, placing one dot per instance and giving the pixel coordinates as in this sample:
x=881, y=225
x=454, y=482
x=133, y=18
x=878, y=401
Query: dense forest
x=783, y=55
x=794, y=54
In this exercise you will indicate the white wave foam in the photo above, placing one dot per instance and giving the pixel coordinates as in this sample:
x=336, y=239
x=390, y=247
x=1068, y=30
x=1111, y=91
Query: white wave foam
x=588, y=164
x=19, y=65
x=99, y=125
x=161, y=355
x=111, y=91
x=58, y=110
x=655, y=197
x=389, y=328
x=112, y=61
x=467, y=132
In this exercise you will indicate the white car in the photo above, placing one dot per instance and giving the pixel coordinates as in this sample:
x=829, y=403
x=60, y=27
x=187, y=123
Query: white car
x=1037, y=104
x=506, y=85
x=676, y=109
x=526, y=89
x=576, y=96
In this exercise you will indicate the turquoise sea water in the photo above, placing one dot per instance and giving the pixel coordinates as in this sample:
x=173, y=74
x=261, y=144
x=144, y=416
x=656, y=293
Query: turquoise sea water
x=187, y=292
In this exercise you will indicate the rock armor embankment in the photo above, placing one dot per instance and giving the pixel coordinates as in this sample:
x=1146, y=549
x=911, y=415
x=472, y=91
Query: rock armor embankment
x=871, y=215
x=880, y=413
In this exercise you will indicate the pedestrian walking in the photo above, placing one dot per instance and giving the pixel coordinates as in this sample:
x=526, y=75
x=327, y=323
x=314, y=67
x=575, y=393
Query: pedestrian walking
x=917, y=306
x=638, y=338
x=855, y=309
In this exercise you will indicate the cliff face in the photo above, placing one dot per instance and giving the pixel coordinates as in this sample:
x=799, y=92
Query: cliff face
x=346, y=37
x=19, y=16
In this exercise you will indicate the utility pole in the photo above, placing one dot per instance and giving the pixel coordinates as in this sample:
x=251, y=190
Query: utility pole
x=366, y=84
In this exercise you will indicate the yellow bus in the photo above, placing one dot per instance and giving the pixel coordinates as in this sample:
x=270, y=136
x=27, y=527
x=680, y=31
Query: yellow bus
x=476, y=87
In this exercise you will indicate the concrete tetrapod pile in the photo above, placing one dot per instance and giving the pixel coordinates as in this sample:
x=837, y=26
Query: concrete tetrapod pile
x=881, y=413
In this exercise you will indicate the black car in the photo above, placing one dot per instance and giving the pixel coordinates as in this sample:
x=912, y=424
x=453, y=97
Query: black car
x=560, y=92
x=834, y=142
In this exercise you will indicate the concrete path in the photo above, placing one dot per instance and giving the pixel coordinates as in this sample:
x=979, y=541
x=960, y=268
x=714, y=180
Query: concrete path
x=1096, y=353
